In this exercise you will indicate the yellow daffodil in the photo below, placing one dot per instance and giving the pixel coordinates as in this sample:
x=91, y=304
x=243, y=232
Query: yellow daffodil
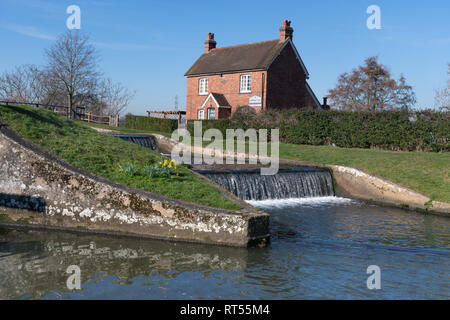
x=165, y=163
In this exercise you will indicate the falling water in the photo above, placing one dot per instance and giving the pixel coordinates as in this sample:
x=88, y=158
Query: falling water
x=143, y=141
x=294, y=183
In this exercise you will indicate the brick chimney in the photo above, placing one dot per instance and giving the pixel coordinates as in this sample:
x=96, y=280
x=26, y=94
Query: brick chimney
x=210, y=43
x=325, y=105
x=286, y=30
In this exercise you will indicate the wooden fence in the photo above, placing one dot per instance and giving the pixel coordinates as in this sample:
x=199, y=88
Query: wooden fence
x=178, y=115
x=77, y=113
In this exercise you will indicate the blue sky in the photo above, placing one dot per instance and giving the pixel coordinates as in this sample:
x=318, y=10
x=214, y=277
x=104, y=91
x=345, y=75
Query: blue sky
x=149, y=45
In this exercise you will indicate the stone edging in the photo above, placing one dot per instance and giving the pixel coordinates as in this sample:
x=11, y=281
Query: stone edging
x=41, y=190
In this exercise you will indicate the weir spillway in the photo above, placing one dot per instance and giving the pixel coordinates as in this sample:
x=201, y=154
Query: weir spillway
x=144, y=141
x=292, y=183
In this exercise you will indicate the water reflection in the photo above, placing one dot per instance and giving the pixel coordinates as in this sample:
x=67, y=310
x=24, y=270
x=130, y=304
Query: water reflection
x=34, y=263
x=320, y=249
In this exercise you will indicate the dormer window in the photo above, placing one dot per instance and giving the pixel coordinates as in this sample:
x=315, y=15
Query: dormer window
x=203, y=86
x=246, y=83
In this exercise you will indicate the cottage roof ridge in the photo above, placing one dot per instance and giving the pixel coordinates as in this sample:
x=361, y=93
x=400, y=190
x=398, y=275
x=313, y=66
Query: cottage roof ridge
x=245, y=44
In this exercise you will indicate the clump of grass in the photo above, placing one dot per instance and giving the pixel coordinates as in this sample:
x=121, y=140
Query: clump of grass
x=128, y=169
x=163, y=169
x=428, y=204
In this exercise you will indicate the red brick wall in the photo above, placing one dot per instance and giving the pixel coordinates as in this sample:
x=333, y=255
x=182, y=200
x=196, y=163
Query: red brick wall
x=284, y=87
x=226, y=84
x=286, y=83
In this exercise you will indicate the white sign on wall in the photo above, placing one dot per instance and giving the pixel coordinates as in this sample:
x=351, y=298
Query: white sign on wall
x=254, y=101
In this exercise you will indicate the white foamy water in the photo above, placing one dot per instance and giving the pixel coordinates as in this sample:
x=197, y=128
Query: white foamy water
x=292, y=202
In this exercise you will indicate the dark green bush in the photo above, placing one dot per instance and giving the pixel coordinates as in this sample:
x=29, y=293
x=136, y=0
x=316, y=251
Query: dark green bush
x=151, y=124
x=390, y=130
x=221, y=124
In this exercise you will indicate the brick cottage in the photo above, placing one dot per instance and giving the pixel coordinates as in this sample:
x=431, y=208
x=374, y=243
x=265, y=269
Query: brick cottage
x=262, y=75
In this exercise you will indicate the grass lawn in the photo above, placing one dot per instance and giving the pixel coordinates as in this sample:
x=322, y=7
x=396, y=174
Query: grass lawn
x=101, y=154
x=426, y=172
x=120, y=129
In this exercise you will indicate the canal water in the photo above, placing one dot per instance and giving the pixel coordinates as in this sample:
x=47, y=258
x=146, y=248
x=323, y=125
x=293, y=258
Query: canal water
x=320, y=249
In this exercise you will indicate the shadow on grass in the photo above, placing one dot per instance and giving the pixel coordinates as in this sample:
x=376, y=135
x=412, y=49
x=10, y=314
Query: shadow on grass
x=33, y=115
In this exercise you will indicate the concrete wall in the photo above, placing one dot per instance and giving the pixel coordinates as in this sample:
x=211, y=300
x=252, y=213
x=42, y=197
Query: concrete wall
x=362, y=185
x=38, y=189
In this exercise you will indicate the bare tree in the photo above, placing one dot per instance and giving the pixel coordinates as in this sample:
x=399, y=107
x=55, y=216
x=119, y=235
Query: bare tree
x=23, y=84
x=442, y=97
x=114, y=97
x=72, y=67
x=70, y=77
x=371, y=88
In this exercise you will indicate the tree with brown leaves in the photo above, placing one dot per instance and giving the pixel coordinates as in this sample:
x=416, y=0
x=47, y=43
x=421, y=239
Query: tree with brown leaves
x=371, y=88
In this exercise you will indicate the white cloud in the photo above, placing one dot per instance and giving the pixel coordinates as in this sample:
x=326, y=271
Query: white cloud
x=130, y=46
x=28, y=31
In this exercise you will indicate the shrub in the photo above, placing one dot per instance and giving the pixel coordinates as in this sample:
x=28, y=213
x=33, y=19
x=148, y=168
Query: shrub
x=244, y=116
x=151, y=124
x=221, y=124
x=426, y=130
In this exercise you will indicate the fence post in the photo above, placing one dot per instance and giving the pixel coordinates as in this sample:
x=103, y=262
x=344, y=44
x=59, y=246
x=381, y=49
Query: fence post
x=89, y=116
x=110, y=120
x=69, y=107
x=117, y=120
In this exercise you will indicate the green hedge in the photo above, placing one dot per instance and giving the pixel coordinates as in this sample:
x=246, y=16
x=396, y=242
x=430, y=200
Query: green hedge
x=151, y=124
x=221, y=124
x=389, y=130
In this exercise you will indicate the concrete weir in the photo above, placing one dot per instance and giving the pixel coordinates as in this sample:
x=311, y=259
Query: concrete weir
x=40, y=190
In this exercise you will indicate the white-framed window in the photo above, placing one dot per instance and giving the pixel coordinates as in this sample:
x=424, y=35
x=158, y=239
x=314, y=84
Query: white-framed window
x=200, y=114
x=246, y=83
x=203, y=86
x=211, y=113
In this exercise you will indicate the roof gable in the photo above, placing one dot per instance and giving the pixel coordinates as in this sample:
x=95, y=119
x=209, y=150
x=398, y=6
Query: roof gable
x=218, y=98
x=289, y=42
